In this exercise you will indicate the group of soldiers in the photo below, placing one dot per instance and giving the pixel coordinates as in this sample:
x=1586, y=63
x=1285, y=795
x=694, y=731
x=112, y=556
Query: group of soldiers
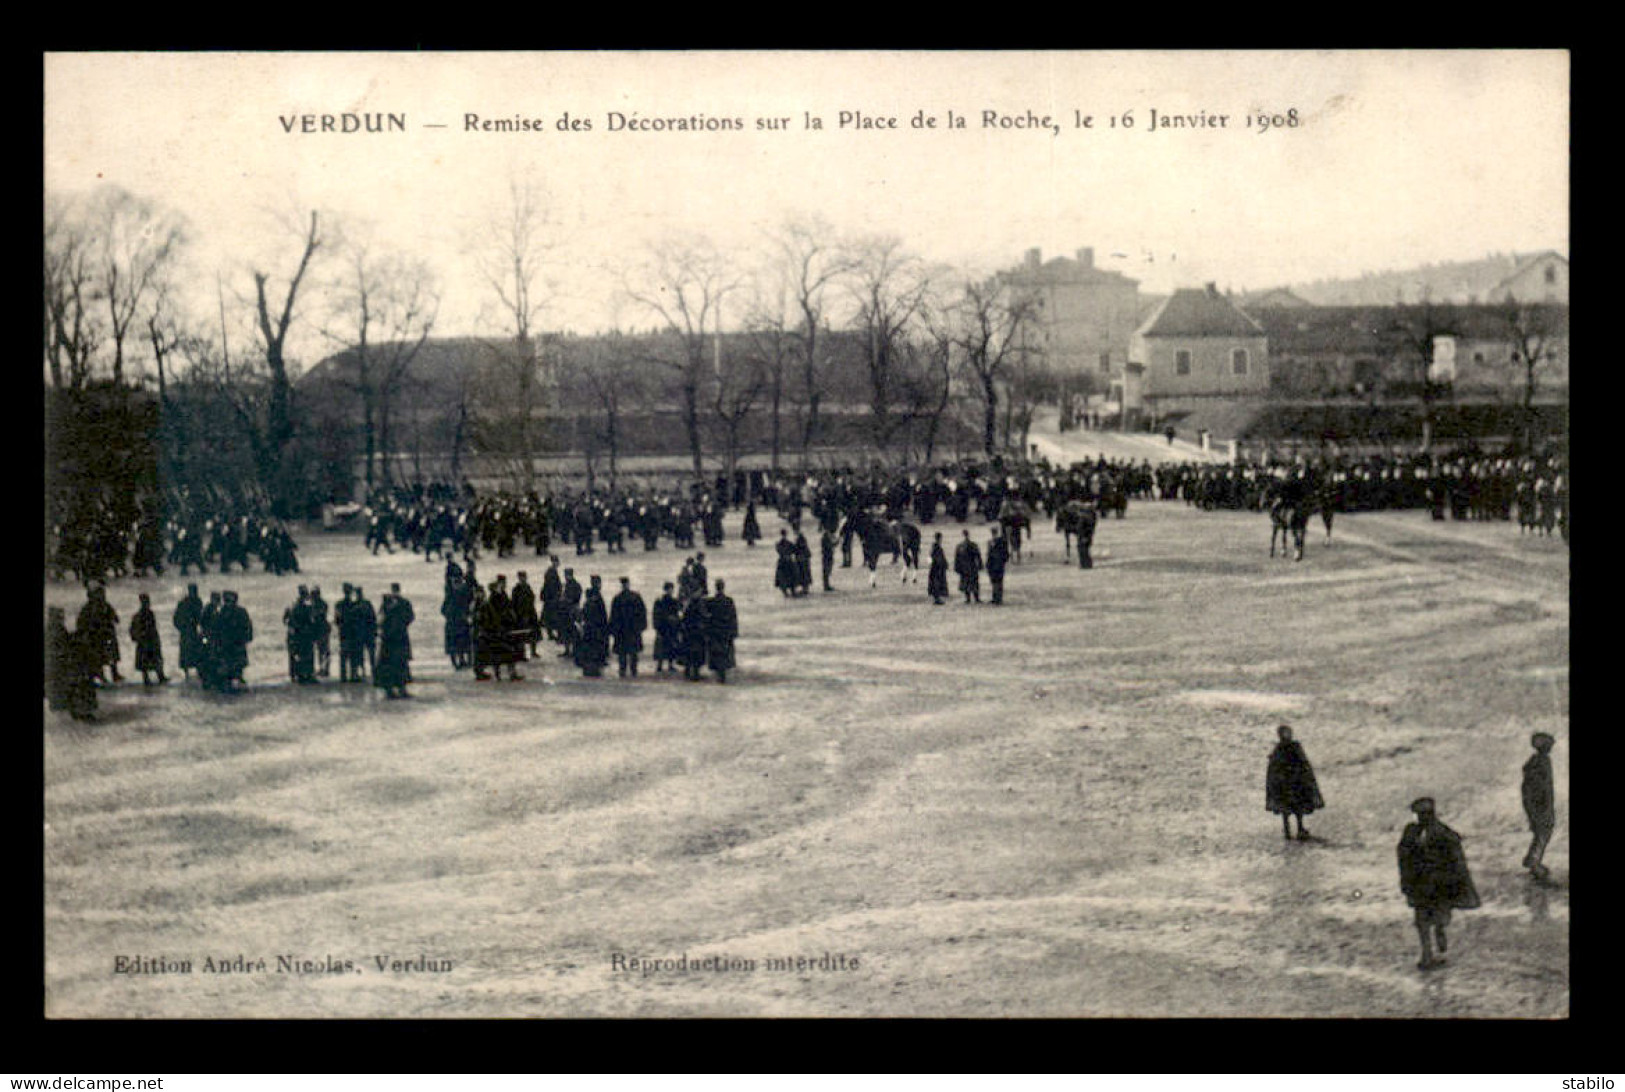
x=1465, y=485
x=98, y=537
x=491, y=627
x=1433, y=872
x=374, y=643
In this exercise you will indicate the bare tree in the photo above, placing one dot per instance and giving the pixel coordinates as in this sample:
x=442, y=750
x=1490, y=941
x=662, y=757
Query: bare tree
x=134, y=241
x=934, y=350
x=813, y=260
x=72, y=332
x=603, y=373
x=889, y=286
x=384, y=307
x=738, y=381
x=770, y=341
x=273, y=322
x=513, y=390
x=987, y=322
x=683, y=283
x=1532, y=330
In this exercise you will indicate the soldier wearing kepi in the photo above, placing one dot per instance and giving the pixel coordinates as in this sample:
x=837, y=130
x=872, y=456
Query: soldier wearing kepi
x=592, y=650
x=522, y=606
x=628, y=618
x=668, y=618
x=1289, y=784
x=188, y=621
x=998, y=556
x=968, y=564
x=149, y=652
x=1539, y=802
x=1433, y=877
x=321, y=632
x=97, y=628
x=721, y=630
x=936, y=581
x=231, y=634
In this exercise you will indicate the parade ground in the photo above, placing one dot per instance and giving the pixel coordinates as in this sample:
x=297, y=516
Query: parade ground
x=1053, y=807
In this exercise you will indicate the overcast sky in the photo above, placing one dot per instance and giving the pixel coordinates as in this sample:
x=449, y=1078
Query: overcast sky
x=1398, y=158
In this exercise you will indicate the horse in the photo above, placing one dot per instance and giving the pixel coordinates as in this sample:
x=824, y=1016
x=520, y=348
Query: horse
x=1016, y=522
x=899, y=538
x=1076, y=517
x=1289, y=515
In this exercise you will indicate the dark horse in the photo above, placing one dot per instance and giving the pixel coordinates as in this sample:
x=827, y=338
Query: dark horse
x=1016, y=522
x=900, y=538
x=1077, y=518
x=1290, y=505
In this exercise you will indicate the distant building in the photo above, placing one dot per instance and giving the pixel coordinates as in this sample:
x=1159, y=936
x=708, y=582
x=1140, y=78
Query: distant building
x=1332, y=350
x=1198, y=343
x=1539, y=277
x=1086, y=315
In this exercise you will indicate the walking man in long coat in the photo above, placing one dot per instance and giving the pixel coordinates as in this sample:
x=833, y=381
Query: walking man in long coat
x=691, y=637
x=1433, y=877
x=1289, y=784
x=395, y=618
x=1539, y=802
x=628, y=618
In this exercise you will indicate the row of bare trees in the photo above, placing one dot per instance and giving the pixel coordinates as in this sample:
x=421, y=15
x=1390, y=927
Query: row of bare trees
x=812, y=323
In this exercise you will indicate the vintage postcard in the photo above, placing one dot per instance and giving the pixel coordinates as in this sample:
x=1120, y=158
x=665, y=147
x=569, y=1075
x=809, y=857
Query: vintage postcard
x=768, y=534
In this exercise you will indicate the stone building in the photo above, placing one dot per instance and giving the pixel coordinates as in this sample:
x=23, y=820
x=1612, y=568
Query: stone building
x=1198, y=344
x=1086, y=315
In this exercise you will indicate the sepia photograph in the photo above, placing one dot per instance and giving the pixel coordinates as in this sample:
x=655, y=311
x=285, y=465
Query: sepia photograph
x=806, y=534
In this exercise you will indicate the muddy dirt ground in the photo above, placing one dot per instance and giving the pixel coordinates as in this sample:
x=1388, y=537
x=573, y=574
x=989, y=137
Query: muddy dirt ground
x=1048, y=808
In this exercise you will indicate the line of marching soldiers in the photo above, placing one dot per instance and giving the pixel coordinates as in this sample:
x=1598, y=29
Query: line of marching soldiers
x=492, y=627
x=99, y=537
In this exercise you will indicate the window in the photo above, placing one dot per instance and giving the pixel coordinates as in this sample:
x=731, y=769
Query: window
x=1238, y=361
x=1478, y=358
x=1182, y=362
x=1551, y=274
x=1106, y=363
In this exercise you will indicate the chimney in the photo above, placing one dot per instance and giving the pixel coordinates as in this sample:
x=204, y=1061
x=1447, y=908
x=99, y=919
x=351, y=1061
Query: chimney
x=1033, y=257
x=1213, y=289
x=1086, y=257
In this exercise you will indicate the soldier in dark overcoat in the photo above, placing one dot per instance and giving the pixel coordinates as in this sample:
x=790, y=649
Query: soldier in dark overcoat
x=784, y=573
x=753, y=529
x=552, y=592
x=803, y=563
x=395, y=617
x=570, y=613
x=826, y=552
x=526, y=623
x=1289, y=783
x=668, y=620
x=366, y=620
x=592, y=650
x=321, y=632
x=721, y=630
x=968, y=564
x=1433, y=877
x=68, y=671
x=149, y=651
x=628, y=618
x=188, y=619
x=301, y=639
x=1539, y=802
x=936, y=580
x=998, y=557
x=232, y=633
x=692, y=633
x=97, y=628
